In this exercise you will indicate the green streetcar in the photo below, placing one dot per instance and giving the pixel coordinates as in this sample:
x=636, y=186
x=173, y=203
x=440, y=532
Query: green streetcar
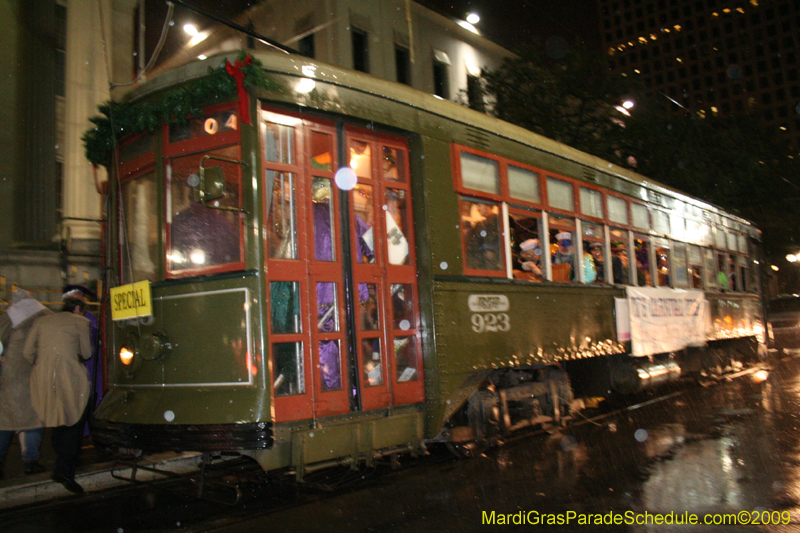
x=330, y=268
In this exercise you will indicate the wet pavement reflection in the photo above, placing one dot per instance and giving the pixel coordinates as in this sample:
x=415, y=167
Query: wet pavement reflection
x=720, y=449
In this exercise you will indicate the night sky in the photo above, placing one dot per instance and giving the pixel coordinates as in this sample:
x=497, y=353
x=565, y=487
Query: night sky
x=510, y=23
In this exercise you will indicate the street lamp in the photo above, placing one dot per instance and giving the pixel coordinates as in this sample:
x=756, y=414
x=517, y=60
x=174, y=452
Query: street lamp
x=473, y=18
x=190, y=29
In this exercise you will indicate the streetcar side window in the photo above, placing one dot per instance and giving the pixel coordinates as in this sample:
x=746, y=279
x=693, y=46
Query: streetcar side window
x=593, y=261
x=695, y=267
x=594, y=244
x=526, y=246
x=482, y=235
x=523, y=184
x=620, y=257
x=139, y=235
x=405, y=356
x=480, y=173
x=617, y=210
x=711, y=280
x=560, y=194
x=679, y=265
x=644, y=277
x=562, y=249
x=663, y=265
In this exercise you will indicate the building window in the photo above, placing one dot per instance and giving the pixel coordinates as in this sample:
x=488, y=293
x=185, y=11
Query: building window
x=306, y=46
x=475, y=92
x=360, y=50
x=440, y=87
x=61, y=49
x=402, y=63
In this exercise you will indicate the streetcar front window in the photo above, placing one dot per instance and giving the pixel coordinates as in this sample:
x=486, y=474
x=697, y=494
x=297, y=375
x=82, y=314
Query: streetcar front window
x=202, y=236
x=139, y=225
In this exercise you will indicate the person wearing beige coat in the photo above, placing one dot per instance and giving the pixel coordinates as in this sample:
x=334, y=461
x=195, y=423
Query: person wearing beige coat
x=57, y=346
x=16, y=411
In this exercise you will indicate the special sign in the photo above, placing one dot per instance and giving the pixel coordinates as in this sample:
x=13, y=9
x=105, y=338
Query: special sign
x=131, y=301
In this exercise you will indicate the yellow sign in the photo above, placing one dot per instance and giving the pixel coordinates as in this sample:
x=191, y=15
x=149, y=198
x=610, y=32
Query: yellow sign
x=131, y=301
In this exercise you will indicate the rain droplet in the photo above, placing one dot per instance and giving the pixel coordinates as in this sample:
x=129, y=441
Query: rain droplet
x=405, y=325
x=641, y=435
x=169, y=416
x=568, y=443
x=346, y=178
x=443, y=265
x=734, y=71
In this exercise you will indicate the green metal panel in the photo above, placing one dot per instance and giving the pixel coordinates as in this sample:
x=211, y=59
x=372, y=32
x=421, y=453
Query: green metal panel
x=584, y=327
x=180, y=405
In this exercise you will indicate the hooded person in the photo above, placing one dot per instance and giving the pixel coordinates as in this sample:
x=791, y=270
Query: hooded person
x=93, y=365
x=57, y=346
x=16, y=411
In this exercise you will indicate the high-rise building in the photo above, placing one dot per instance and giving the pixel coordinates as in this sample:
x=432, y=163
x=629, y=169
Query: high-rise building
x=722, y=57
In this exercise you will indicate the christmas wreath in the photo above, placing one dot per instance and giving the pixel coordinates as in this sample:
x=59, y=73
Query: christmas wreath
x=118, y=120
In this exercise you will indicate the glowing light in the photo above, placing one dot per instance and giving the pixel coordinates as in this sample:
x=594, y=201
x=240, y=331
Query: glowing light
x=774, y=268
x=202, y=57
x=473, y=18
x=199, y=38
x=760, y=376
x=345, y=178
x=198, y=257
x=792, y=258
x=473, y=70
x=628, y=104
x=190, y=29
x=125, y=356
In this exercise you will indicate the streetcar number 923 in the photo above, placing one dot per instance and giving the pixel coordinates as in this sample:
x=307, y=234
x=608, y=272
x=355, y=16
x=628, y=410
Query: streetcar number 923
x=489, y=312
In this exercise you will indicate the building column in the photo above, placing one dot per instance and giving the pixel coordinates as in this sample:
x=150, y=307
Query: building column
x=99, y=42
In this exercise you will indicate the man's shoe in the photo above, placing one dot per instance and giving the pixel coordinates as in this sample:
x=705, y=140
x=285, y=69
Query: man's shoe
x=33, y=467
x=68, y=483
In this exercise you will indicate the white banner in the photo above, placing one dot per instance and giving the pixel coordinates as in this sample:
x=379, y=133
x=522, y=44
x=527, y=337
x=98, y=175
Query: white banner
x=665, y=320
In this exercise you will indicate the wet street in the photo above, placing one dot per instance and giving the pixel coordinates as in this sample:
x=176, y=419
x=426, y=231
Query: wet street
x=716, y=453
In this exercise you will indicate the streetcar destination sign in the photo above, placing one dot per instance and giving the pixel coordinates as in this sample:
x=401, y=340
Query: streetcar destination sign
x=131, y=301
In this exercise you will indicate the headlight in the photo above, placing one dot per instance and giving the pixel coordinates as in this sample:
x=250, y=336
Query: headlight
x=126, y=356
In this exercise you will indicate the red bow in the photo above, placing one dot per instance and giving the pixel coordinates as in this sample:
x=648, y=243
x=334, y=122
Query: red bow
x=235, y=70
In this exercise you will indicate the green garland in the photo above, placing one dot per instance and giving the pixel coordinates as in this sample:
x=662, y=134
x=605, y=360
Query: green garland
x=176, y=107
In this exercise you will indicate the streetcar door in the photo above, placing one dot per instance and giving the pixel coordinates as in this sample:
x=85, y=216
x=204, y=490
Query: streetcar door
x=342, y=292
x=307, y=319
x=386, y=329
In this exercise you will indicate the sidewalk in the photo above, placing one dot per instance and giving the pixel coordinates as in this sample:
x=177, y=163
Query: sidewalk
x=93, y=472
